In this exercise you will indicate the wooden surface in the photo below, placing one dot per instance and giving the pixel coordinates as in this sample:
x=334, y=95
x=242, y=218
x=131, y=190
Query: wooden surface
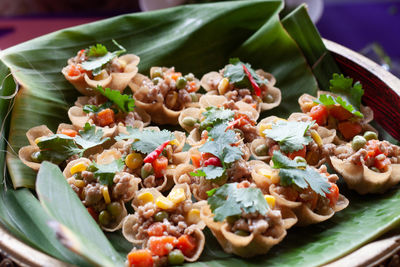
x=382, y=94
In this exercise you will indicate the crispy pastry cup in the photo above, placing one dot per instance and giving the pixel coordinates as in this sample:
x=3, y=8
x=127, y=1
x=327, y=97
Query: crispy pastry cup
x=215, y=77
x=243, y=246
x=25, y=153
x=159, y=112
x=130, y=224
x=115, y=80
x=364, y=180
x=304, y=214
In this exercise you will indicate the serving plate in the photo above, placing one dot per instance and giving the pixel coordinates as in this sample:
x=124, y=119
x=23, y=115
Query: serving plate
x=252, y=35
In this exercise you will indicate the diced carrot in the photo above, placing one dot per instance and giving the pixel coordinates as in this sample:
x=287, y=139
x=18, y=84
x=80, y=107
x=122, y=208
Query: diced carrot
x=243, y=184
x=192, y=86
x=74, y=70
x=196, y=159
x=319, y=113
x=161, y=245
x=301, y=153
x=93, y=213
x=382, y=164
x=156, y=229
x=339, y=113
x=175, y=75
x=69, y=132
x=140, y=258
x=333, y=196
x=187, y=244
x=160, y=164
x=105, y=117
x=349, y=129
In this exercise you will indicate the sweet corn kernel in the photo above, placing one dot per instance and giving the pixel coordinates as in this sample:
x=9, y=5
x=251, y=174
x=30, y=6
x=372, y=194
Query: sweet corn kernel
x=278, y=119
x=145, y=197
x=102, y=75
x=263, y=127
x=79, y=167
x=175, y=142
x=193, y=216
x=270, y=200
x=106, y=194
x=223, y=86
x=134, y=160
x=164, y=203
x=270, y=175
x=316, y=137
x=177, y=195
x=79, y=183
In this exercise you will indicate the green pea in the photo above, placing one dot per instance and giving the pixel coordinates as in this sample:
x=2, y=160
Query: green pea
x=194, y=97
x=104, y=218
x=157, y=80
x=189, y=121
x=91, y=168
x=232, y=219
x=241, y=233
x=369, y=135
x=156, y=72
x=78, y=176
x=160, y=216
x=358, y=142
x=115, y=209
x=37, y=157
x=261, y=150
x=375, y=169
x=299, y=159
x=268, y=99
x=146, y=170
x=176, y=257
x=189, y=77
x=181, y=83
x=240, y=132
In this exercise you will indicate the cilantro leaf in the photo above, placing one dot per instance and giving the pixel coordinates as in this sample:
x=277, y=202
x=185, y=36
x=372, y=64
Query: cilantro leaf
x=220, y=146
x=97, y=50
x=210, y=172
x=299, y=174
x=89, y=137
x=348, y=95
x=105, y=173
x=58, y=147
x=236, y=74
x=97, y=60
x=290, y=135
x=96, y=109
x=214, y=115
x=146, y=141
x=228, y=200
x=124, y=102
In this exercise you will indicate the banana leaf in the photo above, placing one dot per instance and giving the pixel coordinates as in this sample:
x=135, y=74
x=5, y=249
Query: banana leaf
x=198, y=39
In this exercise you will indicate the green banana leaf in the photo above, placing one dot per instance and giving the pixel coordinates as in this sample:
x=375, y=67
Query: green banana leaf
x=198, y=39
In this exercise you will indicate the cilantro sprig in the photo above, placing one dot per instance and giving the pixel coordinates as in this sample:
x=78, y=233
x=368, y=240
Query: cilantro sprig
x=348, y=95
x=59, y=147
x=98, y=56
x=215, y=115
x=219, y=145
x=124, y=102
x=146, y=141
x=236, y=74
x=299, y=174
x=291, y=135
x=229, y=200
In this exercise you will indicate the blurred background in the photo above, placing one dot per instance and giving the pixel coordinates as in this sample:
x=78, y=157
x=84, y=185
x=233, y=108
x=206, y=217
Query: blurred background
x=371, y=27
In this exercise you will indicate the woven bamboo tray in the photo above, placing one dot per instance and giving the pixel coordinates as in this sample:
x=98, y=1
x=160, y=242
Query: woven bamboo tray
x=382, y=94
